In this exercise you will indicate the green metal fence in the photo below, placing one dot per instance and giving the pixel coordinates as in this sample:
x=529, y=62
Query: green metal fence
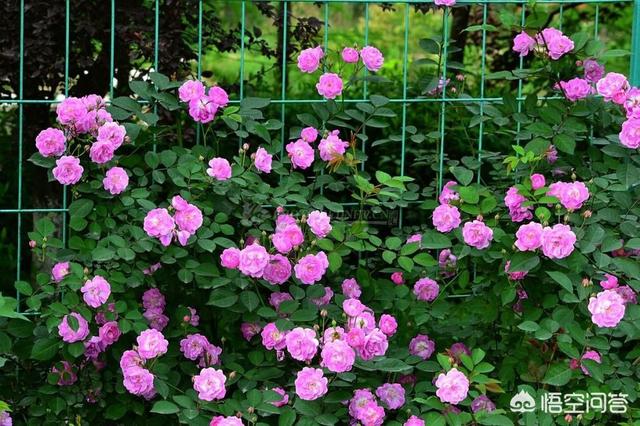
x=281, y=99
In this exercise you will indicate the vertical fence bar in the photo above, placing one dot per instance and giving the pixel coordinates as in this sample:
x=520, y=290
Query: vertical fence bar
x=242, y=32
x=67, y=22
x=113, y=48
x=523, y=17
x=365, y=87
x=198, y=126
x=156, y=39
x=405, y=67
x=445, y=42
x=20, y=130
x=482, y=83
x=283, y=88
x=635, y=45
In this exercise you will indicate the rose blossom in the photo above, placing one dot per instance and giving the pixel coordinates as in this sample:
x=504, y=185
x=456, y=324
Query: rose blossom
x=70, y=111
x=523, y=43
x=353, y=307
x=319, y=222
x=278, y=270
x=190, y=90
x=253, y=259
x=59, y=271
x=613, y=87
x=68, y=170
x=529, y=237
x=311, y=268
x=630, y=133
x=514, y=276
x=610, y=282
x=414, y=421
x=482, y=402
x=151, y=344
x=388, y=324
x=309, y=134
x=607, y=308
x=300, y=153
x=68, y=333
x=226, y=421
x=277, y=298
x=138, y=380
x=193, y=346
x=375, y=344
x=593, y=356
x=329, y=85
x=156, y=319
x=477, y=234
x=448, y=195
x=153, y=299
x=361, y=397
x=446, y=218
x=632, y=103
x=109, y=333
x=51, y=142
x=426, y=289
x=309, y=59
x=627, y=293
x=95, y=292
x=537, y=181
x=158, y=223
x=576, y=89
x=285, y=398
x=392, y=394
x=514, y=202
x=452, y=386
x=66, y=375
x=262, y=160
x=337, y=356
x=332, y=146
x=112, y=133
x=371, y=58
x=101, y=151
x=422, y=346
x=218, y=96
x=397, y=278
x=350, y=55
x=310, y=384
x=249, y=329
x=302, y=343
x=558, y=241
x=332, y=333
x=557, y=44
x=572, y=195
x=272, y=338
x=593, y=71
x=230, y=258
x=116, y=180
x=325, y=299
x=351, y=289
x=219, y=168
x=202, y=109
x=448, y=3
x=210, y=384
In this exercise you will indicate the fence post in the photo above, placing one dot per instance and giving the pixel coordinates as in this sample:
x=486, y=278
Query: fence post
x=635, y=45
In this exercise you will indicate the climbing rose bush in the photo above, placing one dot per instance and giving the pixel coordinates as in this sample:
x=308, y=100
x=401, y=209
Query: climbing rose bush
x=216, y=283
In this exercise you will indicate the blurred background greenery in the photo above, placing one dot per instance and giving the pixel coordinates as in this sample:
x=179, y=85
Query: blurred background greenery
x=349, y=24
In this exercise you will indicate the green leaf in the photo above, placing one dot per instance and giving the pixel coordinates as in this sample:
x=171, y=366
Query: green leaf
x=557, y=375
x=561, y=279
x=161, y=81
x=255, y=103
x=250, y=300
x=523, y=262
x=24, y=288
x=435, y=240
x=102, y=254
x=462, y=174
x=126, y=103
x=405, y=263
x=165, y=407
x=45, y=349
x=528, y=326
x=81, y=207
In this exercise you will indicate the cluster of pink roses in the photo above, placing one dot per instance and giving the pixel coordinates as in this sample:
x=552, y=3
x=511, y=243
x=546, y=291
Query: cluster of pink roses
x=203, y=103
x=302, y=154
x=557, y=241
x=364, y=407
x=80, y=116
x=153, y=302
x=197, y=347
x=615, y=88
x=255, y=261
x=514, y=202
x=552, y=40
x=138, y=380
x=160, y=224
x=330, y=84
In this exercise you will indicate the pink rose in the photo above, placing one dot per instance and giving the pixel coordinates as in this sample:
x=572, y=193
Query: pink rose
x=59, y=271
x=278, y=270
x=309, y=134
x=593, y=356
x=226, y=421
x=529, y=237
x=448, y=195
x=310, y=384
x=371, y=58
x=153, y=299
x=311, y=268
x=632, y=103
x=610, y=282
x=277, y=298
x=309, y=59
x=113, y=133
x=452, y=386
x=302, y=343
x=337, y=356
x=570, y=194
x=414, y=421
x=158, y=223
x=218, y=96
x=514, y=202
x=388, y=324
x=230, y=258
x=576, y=89
x=422, y=346
x=272, y=338
x=109, y=333
x=51, y=142
x=71, y=334
x=350, y=288
x=361, y=397
x=426, y=289
x=613, y=87
x=556, y=43
x=397, y=278
x=219, y=168
x=210, y=384
x=249, y=329
x=190, y=90
x=448, y=3
x=332, y=146
x=319, y=222
x=138, y=381
x=262, y=160
x=101, y=151
x=68, y=170
x=392, y=394
x=95, y=292
x=300, y=153
x=70, y=111
x=253, y=259
x=523, y=43
x=630, y=133
x=188, y=217
x=353, y=307
x=558, y=241
x=477, y=234
x=446, y=218
x=325, y=299
x=193, y=346
x=537, y=181
x=593, y=71
x=116, y=180
x=375, y=344
x=151, y=344
x=329, y=85
x=202, y=109
x=514, y=276
x=607, y=308
x=285, y=398
x=350, y=55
